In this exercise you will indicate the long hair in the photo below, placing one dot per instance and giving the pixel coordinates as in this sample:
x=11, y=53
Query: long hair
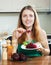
x=35, y=27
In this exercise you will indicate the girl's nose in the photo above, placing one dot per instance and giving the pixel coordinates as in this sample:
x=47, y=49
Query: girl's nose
x=28, y=17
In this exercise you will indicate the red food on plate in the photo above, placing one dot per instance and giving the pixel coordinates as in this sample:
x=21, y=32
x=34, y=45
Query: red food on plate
x=35, y=46
x=31, y=45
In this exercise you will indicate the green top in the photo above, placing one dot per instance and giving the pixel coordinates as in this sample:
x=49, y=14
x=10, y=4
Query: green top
x=29, y=53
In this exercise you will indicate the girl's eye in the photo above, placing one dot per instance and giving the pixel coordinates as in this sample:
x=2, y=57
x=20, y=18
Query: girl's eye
x=31, y=15
x=24, y=15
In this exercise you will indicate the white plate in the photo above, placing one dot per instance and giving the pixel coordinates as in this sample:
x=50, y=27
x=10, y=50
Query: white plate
x=24, y=47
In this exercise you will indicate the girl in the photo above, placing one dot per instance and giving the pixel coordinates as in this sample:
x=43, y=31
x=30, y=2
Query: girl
x=29, y=30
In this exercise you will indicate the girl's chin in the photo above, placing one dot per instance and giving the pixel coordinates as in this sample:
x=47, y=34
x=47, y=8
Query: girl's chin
x=28, y=25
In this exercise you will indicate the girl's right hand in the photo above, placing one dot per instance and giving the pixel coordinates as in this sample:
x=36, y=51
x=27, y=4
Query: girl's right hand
x=18, y=32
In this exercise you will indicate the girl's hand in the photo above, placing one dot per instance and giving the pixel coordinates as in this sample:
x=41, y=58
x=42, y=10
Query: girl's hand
x=39, y=47
x=42, y=49
x=18, y=32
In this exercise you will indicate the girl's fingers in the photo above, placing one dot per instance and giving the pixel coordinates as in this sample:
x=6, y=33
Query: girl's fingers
x=39, y=49
x=21, y=30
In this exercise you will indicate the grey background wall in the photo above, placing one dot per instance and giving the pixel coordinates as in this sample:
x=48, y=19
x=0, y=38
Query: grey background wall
x=9, y=13
x=8, y=22
x=16, y=5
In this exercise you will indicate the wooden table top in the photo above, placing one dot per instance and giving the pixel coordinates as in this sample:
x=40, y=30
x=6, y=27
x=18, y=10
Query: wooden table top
x=44, y=60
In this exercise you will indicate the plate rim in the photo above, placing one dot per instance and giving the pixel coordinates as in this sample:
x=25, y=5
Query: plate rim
x=28, y=48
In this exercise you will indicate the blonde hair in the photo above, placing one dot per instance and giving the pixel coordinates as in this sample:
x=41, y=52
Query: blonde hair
x=35, y=28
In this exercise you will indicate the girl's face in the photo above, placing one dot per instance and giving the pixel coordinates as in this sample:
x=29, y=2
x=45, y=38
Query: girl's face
x=28, y=18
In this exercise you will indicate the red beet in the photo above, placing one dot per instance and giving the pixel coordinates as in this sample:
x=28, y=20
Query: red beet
x=31, y=45
x=18, y=57
x=35, y=46
x=15, y=56
x=28, y=31
x=22, y=57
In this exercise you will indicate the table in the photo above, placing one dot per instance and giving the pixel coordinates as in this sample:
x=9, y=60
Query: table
x=43, y=60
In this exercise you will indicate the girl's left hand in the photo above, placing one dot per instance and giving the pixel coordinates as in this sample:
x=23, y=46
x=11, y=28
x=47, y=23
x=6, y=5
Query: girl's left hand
x=40, y=47
x=45, y=51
